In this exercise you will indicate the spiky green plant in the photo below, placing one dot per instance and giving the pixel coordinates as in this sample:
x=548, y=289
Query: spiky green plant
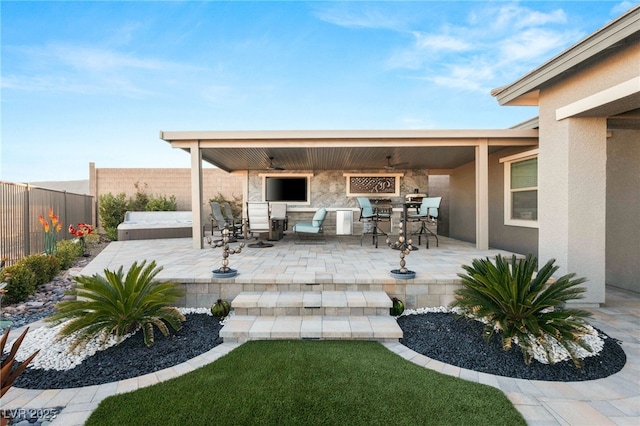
x=524, y=307
x=9, y=373
x=119, y=305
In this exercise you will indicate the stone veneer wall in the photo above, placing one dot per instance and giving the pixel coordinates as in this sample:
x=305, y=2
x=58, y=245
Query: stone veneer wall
x=329, y=190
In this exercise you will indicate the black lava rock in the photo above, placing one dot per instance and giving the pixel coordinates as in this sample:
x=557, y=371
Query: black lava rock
x=439, y=336
x=131, y=358
x=459, y=342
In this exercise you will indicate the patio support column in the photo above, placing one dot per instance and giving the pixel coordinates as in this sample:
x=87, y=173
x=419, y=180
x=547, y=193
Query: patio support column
x=482, y=195
x=196, y=194
x=572, y=194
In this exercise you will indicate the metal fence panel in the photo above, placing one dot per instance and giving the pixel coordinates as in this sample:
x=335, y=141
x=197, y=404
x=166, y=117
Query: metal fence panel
x=20, y=231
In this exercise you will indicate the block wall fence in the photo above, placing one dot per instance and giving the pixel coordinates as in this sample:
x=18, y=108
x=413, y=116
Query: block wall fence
x=163, y=181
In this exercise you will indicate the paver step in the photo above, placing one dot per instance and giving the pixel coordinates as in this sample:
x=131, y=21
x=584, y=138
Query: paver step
x=242, y=328
x=312, y=303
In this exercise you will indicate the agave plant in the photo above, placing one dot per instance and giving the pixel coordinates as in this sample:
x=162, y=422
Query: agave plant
x=9, y=374
x=118, y=305
x=528, y=310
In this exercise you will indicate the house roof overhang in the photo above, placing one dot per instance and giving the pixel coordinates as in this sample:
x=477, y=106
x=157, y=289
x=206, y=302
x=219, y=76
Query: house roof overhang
x=347, y=150
x=617, y=34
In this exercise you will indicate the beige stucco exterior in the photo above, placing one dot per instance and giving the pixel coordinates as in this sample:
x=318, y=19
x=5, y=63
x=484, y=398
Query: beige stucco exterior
x=587, y=112
x=623, y=210
x=573, y=172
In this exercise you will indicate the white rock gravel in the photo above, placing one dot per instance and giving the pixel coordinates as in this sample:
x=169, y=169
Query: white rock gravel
x=54, y=354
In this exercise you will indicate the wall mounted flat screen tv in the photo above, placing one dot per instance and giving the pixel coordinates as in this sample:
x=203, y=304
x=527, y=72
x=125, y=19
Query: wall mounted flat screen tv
x=289, y=189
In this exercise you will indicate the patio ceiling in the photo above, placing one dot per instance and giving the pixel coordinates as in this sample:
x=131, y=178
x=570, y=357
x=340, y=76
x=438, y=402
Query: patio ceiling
x=346, y=150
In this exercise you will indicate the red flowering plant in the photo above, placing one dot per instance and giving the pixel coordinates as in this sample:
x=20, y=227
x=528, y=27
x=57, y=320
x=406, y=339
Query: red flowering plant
x=80, y=232
x=51, y=228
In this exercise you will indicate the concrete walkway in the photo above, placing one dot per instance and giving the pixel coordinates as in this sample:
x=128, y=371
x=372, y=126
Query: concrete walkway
x=614, y=400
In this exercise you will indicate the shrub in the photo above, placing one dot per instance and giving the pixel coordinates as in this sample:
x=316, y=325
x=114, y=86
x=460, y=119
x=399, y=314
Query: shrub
x=526, y=310
x=119, y=305
x=68, y=252
x=160, y=203
x=52, y=267
x=139, y=202
x=21, y=282
x=92, y=239
x=45, y=267
x=112, y=209
x=143, y=202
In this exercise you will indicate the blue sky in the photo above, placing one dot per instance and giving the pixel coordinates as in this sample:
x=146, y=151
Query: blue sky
x=98, y=81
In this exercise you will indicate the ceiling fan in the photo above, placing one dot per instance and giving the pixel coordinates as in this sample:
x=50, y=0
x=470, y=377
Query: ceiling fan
x=392, y=166
x=272, y=166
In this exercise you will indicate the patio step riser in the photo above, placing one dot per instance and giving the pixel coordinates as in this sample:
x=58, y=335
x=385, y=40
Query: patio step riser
x=317, y=311
x=312, y=300
x=245, y=328
x=314, y=315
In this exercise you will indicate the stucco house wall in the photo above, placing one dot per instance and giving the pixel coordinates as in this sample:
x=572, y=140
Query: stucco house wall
x=462, y=203
x=573, y=172
x=623, y=210
x=462, y=208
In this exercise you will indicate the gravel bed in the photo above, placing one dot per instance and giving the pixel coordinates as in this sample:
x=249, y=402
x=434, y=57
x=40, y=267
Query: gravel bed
x=459, y=342
x=437, y=335
x=131, y=358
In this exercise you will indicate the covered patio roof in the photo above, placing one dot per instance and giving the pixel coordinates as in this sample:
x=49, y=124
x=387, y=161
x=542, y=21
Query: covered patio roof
x=345, y=149
x=438, y=151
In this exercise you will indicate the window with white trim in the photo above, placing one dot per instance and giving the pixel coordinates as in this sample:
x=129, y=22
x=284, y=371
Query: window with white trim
x=521, y=189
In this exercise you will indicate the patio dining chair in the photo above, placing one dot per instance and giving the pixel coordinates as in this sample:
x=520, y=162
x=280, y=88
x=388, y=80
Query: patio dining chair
x=236, y=224
x=313, y=228
x=219, y=221
x=370, y=217
x=258, y=222
x=427, y=215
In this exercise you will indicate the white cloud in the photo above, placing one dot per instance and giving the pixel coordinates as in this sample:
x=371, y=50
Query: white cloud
x=623, y=7
x=496, y=43
x=512, y=16
x=440, y=42
x=472, y=77
x=533, y=44
x=88, y=70
x=103, y=60
x=425, y=48
x=364, y=17
x=45, y=83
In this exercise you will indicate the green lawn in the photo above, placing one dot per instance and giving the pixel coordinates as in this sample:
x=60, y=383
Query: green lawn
x=310, y=383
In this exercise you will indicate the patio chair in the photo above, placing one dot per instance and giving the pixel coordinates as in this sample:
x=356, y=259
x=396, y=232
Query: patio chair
x=428, y=214
x=279, y=220
x=370, y=217
x=236, y=224
x=258, y=222
x=311, y=228
x=219, y=221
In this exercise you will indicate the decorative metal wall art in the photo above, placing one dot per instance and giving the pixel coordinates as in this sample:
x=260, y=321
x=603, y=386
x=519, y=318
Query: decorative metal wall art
x=372, y=184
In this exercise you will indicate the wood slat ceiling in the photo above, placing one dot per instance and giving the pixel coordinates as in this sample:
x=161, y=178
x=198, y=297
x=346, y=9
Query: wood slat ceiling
x=347, y=158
